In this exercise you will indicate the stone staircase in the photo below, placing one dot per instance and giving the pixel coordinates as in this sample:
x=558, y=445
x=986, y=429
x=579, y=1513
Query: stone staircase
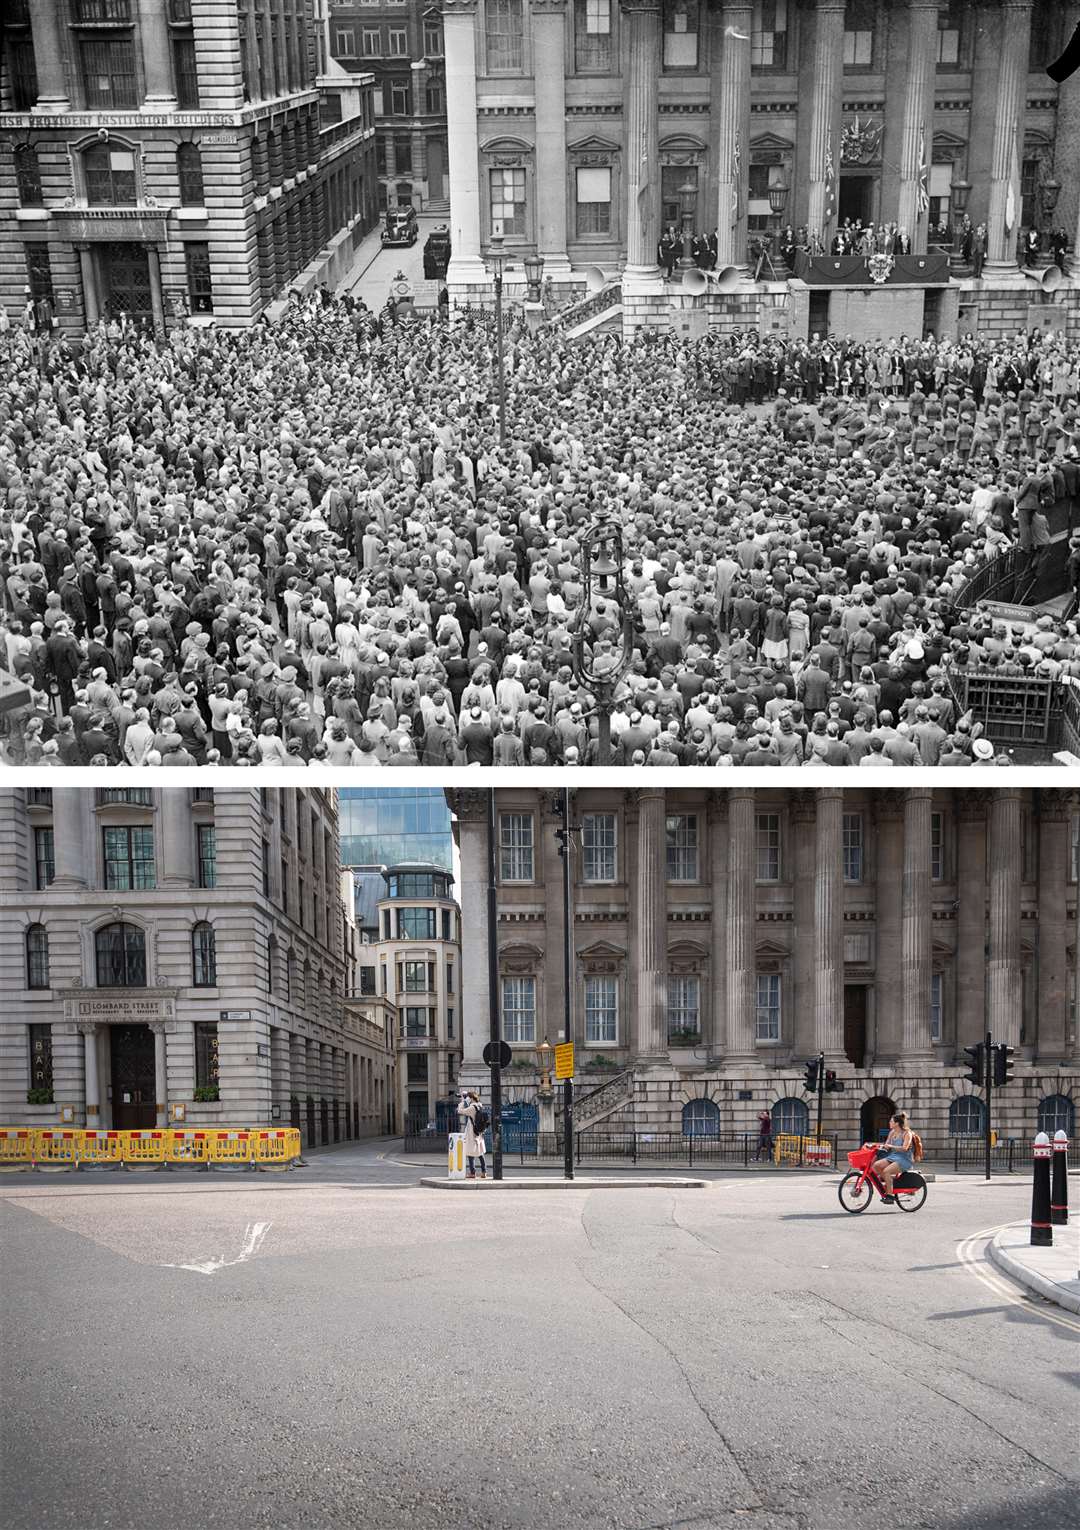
x=437, y=207
x=604, y=1101
x=599, y=310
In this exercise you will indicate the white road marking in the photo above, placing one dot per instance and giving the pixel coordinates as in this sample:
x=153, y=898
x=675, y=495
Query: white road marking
x=254, y=1237
x=971, y=1252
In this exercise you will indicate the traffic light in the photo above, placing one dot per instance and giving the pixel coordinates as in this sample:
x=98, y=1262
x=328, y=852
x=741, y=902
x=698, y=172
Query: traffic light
x=1003, y=1063
x=811, y=1077
x=832, y=1083
x=976, y=1073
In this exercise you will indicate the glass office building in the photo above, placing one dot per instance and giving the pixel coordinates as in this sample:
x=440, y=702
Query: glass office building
x=394, y=825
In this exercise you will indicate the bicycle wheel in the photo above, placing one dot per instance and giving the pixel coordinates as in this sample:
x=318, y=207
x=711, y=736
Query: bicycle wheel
x=914, y=1199
x=855, y=1192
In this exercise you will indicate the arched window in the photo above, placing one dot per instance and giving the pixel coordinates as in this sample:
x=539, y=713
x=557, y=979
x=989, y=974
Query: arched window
x=37, y=957
x=791, y=1118
x=309, y=1000
x=967, y=1116
x=271, y=964
x=110, y=176
x=1057, y=1113
x=189, y=170
x=290, y=978
x=28, y=176
x=121, y=956
x=203, y=956
x=701, y=1118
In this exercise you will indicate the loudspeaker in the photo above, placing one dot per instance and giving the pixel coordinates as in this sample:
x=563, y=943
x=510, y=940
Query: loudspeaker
x=595, y=280
x=1049, y=278
x=725, y=280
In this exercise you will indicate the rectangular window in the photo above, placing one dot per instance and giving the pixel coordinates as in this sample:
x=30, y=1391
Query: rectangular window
x=507, y=193
x=447, y=919
x=680, y=34
x=767, y=1014
x=768, y=34
x=108, y=72
x=44, y=858
x=416, y=1068
x=519, y=1010
x=417, y=1020
x=433, y=98
x=858, y=49
x=344, y=42
x=449, y=977
x=416, y=924
x=371, y=42
x=937, y=848
x=935, y=1006
x=200, y=288
x=399, y=42
x=41, y=1074
x=433, y=40
x=415, y=977
x=1029, y=192
x=126, y=796
x=948, y=44
x=207, y=839
x=206, y=1054
x=601, y=1010
x=129, y=859
x=110, y=177
x=515, y=847
x=367, y=982
x=768, y=847
x=684, y=1007
x=102, y=10
x=592, y=36
x=402, y=156
x=22, y=73
x=187, y=76
x=399, y=98
x=853, y=847
x=682, y=848
x=1074, y=859
x=504, y=35
x=592, y=191
x=450, y=1024
x=598, y=848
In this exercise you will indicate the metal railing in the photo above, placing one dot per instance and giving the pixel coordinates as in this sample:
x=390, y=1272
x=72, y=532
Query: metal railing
x=603, y=1099
x=598, y=302
x=1013, y=709
x=970, y=1153
x=739, y=1149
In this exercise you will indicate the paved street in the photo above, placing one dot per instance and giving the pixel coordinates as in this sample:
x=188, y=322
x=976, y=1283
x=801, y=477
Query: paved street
x=340, y=1348
x=373, y=269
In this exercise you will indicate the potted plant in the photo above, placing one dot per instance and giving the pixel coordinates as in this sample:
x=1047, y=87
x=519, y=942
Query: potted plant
x=205, y=1094
x=601, y=1065
x=39, y=1097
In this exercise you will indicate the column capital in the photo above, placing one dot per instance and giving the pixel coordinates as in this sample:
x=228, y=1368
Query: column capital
x=971, y=804
x=802, y=805
x=86, y=1027
x=1054, y=805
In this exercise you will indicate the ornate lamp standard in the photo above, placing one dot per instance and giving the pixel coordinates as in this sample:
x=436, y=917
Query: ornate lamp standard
x=687, y=205
x=958, y=196
x=602, y=579
x=496, y=257
x=534, y=275
x=778, y=196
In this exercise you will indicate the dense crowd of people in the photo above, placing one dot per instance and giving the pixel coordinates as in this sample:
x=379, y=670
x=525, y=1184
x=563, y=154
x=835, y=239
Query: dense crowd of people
x=303, y=543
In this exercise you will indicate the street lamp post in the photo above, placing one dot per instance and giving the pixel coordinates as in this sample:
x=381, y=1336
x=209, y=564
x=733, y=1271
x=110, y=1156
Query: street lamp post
x=778, y=196
x=958, y=197
x=534, y=276
x=602, y=566
x=500, y=361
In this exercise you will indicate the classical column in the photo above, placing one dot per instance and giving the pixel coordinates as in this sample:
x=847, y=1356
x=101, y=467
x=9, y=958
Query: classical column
x=1067, y=144
x=801, y=823
x=549, y=72
x=1003, y=967
x=460, y=41
x=918, y=121
x=177, y=838
x=1014, y=41
x=742, y=912
x=93, y=1089
x=642, y=142
x=829, y=923
x=733, y=131
x=157, y=57
x=69, y=851
x=47, y=33
x=888, y=895
x=470, y=811
x=157, y=298
x=161, y=1087
x=825, y=106
x=88, y=277
x=915, y=935
x=1055, y=810
x=970, y=808
x=650, y=927
x=716, y=1008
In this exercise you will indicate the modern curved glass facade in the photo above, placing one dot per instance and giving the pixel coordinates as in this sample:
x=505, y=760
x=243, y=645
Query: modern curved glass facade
x=394, y=825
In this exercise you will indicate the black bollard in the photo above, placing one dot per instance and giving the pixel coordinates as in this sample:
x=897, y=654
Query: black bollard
x=1059, y=1187
x=1042, y=1233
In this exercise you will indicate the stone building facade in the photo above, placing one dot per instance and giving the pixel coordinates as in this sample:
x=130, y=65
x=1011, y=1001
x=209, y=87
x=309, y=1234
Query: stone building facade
x=166, y=159
x=580, y=128
x=178, y=954
x=723, y=938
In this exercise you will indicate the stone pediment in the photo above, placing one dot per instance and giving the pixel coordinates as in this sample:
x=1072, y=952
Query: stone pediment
x=601, y=950
x=688, y=950
x=593, y=144
x=770, y=950
x=506, y=145
x=682, y=142
x=770, y=143
x=519, y=951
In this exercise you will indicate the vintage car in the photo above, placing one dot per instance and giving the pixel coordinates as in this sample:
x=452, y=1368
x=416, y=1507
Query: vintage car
x=437, y=253
x=400, y=226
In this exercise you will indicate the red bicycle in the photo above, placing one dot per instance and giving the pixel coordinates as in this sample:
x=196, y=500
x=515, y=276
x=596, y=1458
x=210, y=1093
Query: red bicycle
x=857, y=1187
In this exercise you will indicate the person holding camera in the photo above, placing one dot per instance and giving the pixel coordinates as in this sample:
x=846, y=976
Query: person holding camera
x=474, y=1120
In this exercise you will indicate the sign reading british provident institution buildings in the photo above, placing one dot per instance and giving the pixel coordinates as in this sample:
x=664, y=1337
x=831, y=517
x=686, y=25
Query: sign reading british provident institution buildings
x=119, y=1008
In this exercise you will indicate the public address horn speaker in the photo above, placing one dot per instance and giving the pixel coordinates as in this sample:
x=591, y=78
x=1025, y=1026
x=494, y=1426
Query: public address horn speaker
x=595, y=280
x=1049, y=278
x=725, y=280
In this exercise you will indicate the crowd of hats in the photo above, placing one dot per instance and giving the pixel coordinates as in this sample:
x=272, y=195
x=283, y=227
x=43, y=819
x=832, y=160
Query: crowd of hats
x=303, y=543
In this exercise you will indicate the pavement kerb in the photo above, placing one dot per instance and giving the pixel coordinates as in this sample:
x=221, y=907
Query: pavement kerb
x=583, y=1182
x=1032, y=1280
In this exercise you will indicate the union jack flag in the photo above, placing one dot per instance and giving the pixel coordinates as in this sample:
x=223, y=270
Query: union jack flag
x=736, y=174
x=922, y=190
x=830, y=181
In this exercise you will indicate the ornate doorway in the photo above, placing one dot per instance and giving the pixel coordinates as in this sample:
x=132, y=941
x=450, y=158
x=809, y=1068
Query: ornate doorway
x=125, y=281
x=131, y=1050
x=874, y=1117
x=855, y=1023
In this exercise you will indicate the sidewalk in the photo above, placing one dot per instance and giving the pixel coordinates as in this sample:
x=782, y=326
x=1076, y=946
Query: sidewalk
x=579, y=1182
x=1048, y=1272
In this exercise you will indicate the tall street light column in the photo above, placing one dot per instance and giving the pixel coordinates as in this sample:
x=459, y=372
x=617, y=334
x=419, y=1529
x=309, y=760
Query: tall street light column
x=599, y=666
x=500, y=360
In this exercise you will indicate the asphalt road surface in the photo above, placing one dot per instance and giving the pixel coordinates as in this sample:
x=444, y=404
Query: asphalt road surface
x=339, y=1347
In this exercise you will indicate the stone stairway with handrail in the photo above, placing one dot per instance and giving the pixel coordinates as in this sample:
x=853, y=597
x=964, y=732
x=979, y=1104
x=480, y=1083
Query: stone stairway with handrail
x=603, y=1101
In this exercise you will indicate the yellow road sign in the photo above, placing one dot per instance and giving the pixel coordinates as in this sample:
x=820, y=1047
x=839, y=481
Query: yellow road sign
x=564, y=1060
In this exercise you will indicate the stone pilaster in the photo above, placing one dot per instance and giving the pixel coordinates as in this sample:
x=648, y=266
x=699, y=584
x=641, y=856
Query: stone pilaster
x=1067, y=144
x=916, y=929
x=1014, y=41
x=177, y=838
x=92, y=1094
x=918, y=120
x=641, y=20
x=161, y=1087
x=460, y=35
x=470, y=809
x=47, y=32
x=826, y=103
x=732, y=101
x=888, y=891
x=1005, y=860
x=829, y=923
x=716, y=1008
x=1055, y=809
x=971, y=808
x=160, y=95
x=649, y=913
x=549, y=71
x=69, y=851
x=88, y=277
x=742, y=912
x=801, y=820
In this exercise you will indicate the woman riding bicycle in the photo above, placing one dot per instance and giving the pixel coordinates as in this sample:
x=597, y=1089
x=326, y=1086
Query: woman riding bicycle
x=897, y=1149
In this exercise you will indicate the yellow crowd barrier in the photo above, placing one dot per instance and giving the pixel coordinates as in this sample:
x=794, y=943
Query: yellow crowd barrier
x=16, y=1148
x=146, y=1147
x=813, y=1152
x=186, y=1146
x=272, y=1149
x=100, y=1147
x=56, y=1149
x=230, y=1147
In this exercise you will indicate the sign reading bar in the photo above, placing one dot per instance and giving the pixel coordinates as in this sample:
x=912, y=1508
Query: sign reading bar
x=564, y=1060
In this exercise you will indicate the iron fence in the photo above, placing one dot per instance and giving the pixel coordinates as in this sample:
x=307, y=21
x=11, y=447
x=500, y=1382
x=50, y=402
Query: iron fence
x=969, y=1153
x=594, y=1147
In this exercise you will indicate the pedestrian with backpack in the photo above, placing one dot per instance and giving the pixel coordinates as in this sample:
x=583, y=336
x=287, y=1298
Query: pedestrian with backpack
x=474, y=1121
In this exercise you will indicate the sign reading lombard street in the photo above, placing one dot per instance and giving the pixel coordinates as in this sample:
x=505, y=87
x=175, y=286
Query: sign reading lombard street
x=115, y=1007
